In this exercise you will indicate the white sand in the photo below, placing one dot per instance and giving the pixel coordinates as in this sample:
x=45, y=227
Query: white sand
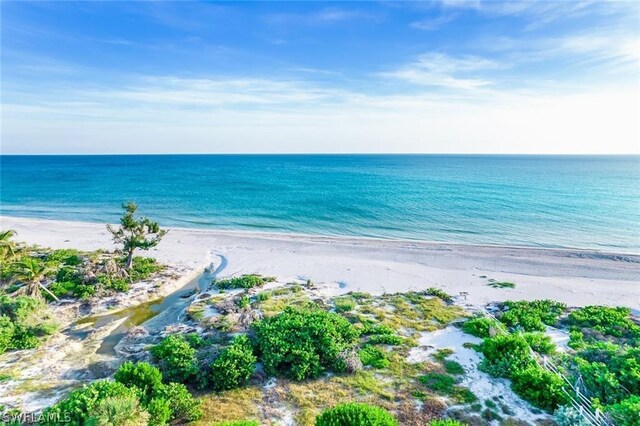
x=339, y=265
x=481, y=384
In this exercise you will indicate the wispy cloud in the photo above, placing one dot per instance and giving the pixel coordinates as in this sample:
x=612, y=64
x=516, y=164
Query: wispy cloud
x=326, y=16
x=438, y=69
x=432, y=24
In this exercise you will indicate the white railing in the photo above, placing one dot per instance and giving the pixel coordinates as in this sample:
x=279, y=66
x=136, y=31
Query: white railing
x=578, y=400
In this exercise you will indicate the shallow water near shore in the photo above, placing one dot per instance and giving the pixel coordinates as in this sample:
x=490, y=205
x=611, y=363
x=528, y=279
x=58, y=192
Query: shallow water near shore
x=590, y=202
x=138, y=314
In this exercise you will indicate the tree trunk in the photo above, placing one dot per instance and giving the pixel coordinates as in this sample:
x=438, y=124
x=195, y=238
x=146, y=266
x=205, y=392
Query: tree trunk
x=129, y=260
x=48, y=292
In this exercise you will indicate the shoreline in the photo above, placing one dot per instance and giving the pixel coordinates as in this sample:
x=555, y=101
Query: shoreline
x=330, y=238
x=343, y=264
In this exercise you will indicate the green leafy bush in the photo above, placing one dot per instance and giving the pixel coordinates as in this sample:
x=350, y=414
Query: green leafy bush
x=351, y=414
x=142, y=268
x=453, y=367
x=243, y=301
x=532, y=316
x=375, y=357
x=176, y=358
x=159, y=411
x=375, y=329
x=244, y=281
x=234, y=366
x=69, y=257
x=436, y=292
x=540, y=387
x=386, y=339
x=569, y=416
x=540, y=342
x=478, y=326
x=344, y=304
x=505, y=354
x=439, y=382
x=6, y=333
x=301, y=343
x=184, y=408
x=118, y=411
x=627, y=411
x=78, y=405
x=263, y=296
x=142, y=375
x=23, y=321
x=608, y=321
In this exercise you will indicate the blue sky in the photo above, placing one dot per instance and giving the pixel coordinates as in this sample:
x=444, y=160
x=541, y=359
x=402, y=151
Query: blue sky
x=452, y=76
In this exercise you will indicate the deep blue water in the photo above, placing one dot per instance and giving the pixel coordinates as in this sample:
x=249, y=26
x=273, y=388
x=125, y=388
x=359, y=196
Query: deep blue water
x=549, y=201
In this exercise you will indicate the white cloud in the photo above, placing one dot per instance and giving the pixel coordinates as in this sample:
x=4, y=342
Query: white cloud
x=437, y=69
x=236, y=115
x=432, y=24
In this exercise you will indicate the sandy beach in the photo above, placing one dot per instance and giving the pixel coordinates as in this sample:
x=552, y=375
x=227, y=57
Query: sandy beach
x=339, y=265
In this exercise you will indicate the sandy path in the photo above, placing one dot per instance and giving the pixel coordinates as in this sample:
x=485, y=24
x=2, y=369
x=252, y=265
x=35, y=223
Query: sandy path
x=575, y=277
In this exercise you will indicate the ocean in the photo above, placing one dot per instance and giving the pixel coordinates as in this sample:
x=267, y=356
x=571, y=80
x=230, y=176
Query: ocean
x=590, y=202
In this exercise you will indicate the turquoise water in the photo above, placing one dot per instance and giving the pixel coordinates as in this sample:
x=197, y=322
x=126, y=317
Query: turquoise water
x=548, y=201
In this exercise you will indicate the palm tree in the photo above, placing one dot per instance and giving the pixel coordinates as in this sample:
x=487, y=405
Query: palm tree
x=7, y=245
x=32, y=271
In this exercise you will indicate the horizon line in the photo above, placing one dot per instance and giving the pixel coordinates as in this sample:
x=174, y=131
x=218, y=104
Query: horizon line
x=636, y=154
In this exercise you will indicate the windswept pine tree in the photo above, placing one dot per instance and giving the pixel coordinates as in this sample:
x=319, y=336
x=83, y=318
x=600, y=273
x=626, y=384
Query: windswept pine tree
x=135, y=232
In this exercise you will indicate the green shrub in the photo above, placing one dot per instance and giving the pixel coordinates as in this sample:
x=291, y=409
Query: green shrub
x=159, y=411
x=77, y=406
x=69, y=257
x=61, y=289
x=194, y=340
x=540, y=387
x=234, y=366
x=375, y=329
x=244, y=281
x=264, y=296
x=601, y=382
x=386, y=339
x=370, y=355
x=505, y=354
x=141, y=375
x=608, y=321
x=69, y=274
x=176, y=358
x=6, y=333
x=439, y=382
x=351, y=414
x=453, y=367
x=344, y=304
x=478, y=326
x=627, y=411
x=118, y=411
x=302, y=343
x=569, y=416
x=243, y=301
x=142, y=268
x=501, y=284
x=115, y=284
x=24, y=338
x=540, y=342
x=184, y=408
x=532, y=316
x=84, y=291
x=436, y=292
